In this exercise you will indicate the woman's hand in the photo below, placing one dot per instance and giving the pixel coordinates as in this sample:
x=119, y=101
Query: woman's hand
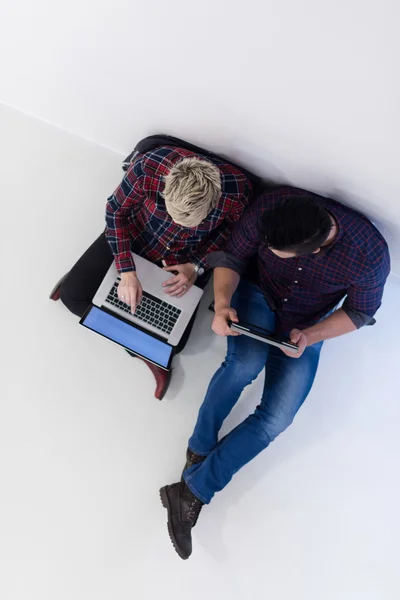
x=129, y=290
x=182, y=281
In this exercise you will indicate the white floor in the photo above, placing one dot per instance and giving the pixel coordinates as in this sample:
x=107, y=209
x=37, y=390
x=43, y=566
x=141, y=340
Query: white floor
x=84, y=446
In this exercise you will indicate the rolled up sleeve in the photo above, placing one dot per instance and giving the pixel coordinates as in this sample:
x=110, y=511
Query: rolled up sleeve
x=228, y=261
x=364, y=296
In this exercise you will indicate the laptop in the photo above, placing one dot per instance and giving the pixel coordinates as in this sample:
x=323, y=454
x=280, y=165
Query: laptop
x=158, y=314
x=129, y=336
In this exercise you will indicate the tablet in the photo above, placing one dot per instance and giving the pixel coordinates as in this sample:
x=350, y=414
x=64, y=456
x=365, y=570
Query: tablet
x=262, y=335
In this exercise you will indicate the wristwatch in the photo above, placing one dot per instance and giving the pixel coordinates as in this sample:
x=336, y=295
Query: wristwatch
x=198, y=270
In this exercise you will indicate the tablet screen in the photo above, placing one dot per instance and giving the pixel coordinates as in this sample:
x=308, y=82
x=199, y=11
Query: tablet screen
x=128, y=336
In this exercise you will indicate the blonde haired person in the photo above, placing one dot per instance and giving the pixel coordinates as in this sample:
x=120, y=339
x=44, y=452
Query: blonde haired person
x=192, y=190
x=172, y=207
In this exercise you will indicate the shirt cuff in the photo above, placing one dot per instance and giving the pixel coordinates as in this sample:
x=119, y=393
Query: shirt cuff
x=124, y=262
x=359, y=318
x=199, y=261
x=226, y=260
x=171, y=261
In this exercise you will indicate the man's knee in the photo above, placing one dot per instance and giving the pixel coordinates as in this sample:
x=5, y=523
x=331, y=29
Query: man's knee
x=241, y=370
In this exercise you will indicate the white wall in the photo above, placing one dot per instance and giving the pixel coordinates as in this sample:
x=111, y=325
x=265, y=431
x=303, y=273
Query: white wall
x=303, y=91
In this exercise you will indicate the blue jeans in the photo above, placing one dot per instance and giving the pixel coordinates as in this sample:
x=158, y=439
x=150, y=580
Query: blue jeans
x=287, y=384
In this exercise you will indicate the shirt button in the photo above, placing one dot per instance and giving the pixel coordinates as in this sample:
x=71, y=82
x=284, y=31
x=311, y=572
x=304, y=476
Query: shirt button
x=296, y=281
x=285, y=300
x=300, y=268
x=168, y=248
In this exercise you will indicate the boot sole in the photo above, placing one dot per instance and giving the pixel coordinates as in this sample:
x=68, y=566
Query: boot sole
x=165, y=503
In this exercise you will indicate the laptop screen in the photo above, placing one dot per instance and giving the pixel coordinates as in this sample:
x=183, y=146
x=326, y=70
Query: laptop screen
x=128, y=336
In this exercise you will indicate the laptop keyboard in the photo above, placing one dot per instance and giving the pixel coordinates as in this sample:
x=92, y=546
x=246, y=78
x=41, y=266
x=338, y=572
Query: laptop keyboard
x=151, y=310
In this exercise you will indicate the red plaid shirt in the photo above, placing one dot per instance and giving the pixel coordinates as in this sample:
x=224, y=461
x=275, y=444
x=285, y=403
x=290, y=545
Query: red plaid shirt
x=137, y=219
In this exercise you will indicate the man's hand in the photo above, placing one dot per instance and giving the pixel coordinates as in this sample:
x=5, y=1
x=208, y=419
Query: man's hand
x=129, y=290
x=222, y=317
x=182, y=282
x=300, y=339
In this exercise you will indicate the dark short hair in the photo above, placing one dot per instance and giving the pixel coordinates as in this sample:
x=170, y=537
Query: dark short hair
x=299, y=224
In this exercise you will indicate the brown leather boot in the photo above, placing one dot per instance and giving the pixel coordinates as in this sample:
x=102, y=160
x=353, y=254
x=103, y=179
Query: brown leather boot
x=183, y=510
x=55, y=292
x=161, y=376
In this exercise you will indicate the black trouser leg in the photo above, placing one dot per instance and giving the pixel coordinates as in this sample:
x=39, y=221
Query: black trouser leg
x=83, y=280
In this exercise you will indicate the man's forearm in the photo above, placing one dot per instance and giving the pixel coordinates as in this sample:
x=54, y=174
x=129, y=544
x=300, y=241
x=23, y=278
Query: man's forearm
x=225, y=284
x=333, y=326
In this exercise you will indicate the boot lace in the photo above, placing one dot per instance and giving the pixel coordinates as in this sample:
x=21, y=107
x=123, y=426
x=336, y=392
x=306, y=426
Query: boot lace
x=194, y=510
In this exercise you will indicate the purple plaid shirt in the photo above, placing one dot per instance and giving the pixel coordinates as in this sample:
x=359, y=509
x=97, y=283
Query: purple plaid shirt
x=136, y=216
x=303, y=290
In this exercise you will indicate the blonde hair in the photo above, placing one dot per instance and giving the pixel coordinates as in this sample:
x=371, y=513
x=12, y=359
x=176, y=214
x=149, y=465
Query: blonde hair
x=192, y=190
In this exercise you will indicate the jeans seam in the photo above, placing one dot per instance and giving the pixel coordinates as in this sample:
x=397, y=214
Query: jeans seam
x=195, y=491
x=197, y=452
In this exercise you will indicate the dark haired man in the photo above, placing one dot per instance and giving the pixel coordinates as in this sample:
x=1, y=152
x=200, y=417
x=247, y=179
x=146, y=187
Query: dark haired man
x=292, y=258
